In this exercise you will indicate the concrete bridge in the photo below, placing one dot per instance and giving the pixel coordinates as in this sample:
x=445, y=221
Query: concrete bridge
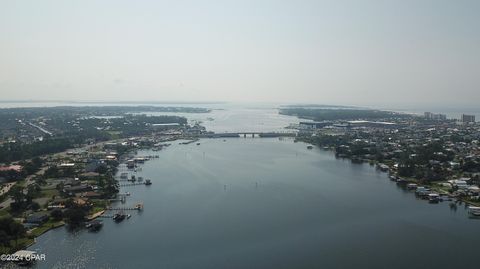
x=252, y=134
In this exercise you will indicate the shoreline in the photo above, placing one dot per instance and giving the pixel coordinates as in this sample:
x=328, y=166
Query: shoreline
x=390, y=172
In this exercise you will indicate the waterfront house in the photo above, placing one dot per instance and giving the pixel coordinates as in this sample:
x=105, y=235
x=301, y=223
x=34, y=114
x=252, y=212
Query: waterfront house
x=37, y=218
x=460, y=184
x=91, y=195
x=79, y=188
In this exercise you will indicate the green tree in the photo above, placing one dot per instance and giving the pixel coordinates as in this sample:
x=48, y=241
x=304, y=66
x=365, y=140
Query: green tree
x=56, y=214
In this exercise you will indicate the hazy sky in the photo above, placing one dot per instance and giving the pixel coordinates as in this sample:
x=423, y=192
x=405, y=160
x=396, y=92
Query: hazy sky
x=343, y=52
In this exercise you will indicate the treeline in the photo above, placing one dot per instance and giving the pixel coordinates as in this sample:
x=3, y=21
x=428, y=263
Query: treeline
x=10, y=231
x=322, y=114
x=32, y=112
x=10, y=152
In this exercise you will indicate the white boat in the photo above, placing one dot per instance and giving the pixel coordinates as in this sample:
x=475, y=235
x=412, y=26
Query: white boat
x=433, y=197
x=474, y=211
x=412, y=186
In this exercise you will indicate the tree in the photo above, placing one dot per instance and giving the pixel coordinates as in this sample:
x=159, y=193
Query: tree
x=102, y=169
x=75, y=216
x=17, y=230
x=56, y=214
x=52, y=172
x=18, y=197
x=35, y=206
x=4, y=240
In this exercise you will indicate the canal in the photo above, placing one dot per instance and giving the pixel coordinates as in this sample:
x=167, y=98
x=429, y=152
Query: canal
x=268, y=203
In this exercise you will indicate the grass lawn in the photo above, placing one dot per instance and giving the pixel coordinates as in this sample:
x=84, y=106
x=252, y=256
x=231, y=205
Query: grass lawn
x=46, y=226
x=50, y=193
x=4, y=212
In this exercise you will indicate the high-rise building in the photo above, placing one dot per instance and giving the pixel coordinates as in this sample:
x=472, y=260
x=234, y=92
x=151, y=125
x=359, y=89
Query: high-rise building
x=468, y=118
x=433, y=116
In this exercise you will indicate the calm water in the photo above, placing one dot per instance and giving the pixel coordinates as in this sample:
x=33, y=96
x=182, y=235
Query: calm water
x=240, y=117
x=268, y=203
x=224, y=117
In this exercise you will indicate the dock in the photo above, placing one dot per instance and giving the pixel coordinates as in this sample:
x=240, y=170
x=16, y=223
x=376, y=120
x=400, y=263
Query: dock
x=138, y=207
x=132, y=184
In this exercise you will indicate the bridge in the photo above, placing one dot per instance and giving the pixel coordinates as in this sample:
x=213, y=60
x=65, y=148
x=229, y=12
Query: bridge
x=251, y=134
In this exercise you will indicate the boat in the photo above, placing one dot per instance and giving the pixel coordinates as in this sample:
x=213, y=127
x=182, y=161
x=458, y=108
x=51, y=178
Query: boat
x=474, y=211
x=433, y=198
x=139, y=206
x=411, y=186
x=94, y=225
x=119, y=216
x=422, y=191
x=148, y=182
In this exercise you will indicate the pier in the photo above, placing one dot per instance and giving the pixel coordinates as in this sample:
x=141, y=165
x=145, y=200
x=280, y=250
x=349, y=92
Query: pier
x=138, y=207
x=134, y=184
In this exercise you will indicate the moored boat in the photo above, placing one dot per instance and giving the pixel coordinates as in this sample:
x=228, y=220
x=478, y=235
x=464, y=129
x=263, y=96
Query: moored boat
x=474, y=211
x=94, y=225
x=433, y=198
x=119, y=216
x=411, y=186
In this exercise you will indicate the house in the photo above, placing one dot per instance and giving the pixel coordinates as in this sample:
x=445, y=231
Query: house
x=66, y=165
x=68, y=182
x=460, y=184
x=16, y=168
x=37, y=218
x=80, y=201
x=79, y=188
x=91, y=194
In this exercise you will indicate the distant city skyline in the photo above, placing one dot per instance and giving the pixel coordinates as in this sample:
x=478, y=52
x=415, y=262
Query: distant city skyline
x=372, y=53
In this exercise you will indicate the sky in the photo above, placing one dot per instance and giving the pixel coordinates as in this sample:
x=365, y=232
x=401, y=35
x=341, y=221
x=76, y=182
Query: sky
x=328, y=52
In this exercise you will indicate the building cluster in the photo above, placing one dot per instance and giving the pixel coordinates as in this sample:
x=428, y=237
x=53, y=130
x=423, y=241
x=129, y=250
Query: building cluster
x=434, y=116
x=417, y=150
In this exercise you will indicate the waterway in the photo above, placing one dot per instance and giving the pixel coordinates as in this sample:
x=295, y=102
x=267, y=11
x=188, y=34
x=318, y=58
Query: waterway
x=268, y=203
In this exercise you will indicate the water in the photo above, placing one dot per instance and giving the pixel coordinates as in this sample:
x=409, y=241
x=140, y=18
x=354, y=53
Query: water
x=224, y=117
x=239, y=118
x=268, y=203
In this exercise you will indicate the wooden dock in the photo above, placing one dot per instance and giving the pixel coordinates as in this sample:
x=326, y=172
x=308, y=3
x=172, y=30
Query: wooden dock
x=138, y=207
x=131, y=184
